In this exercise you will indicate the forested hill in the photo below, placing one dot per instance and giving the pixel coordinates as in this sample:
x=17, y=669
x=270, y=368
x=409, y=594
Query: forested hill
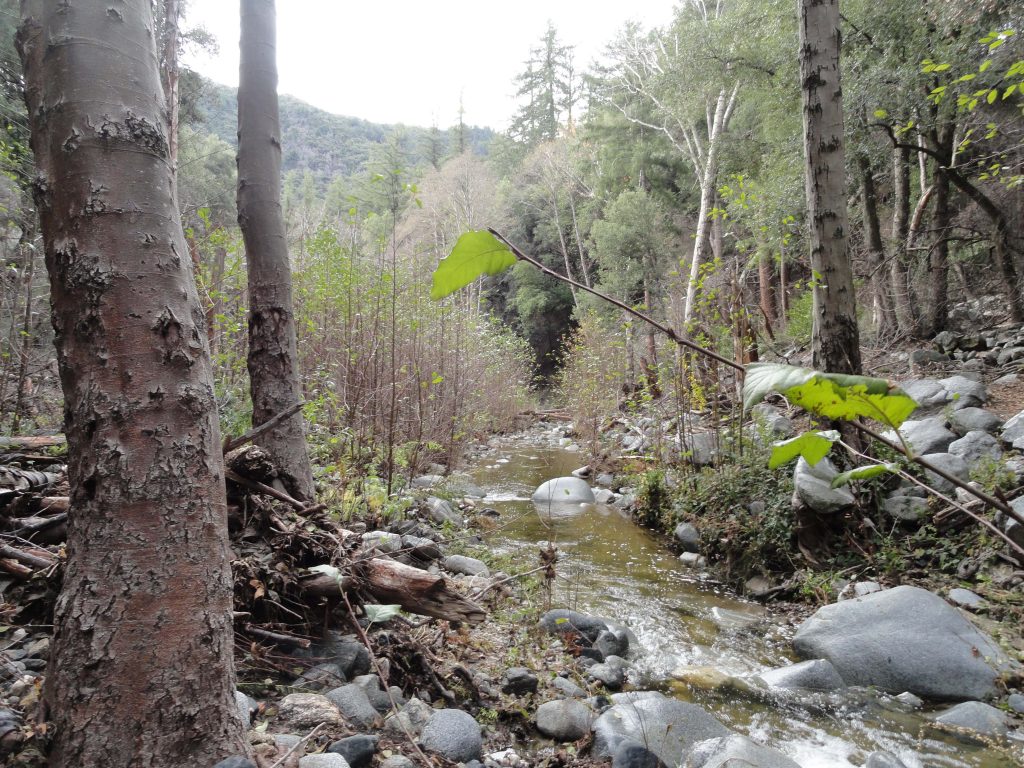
x=329, y=145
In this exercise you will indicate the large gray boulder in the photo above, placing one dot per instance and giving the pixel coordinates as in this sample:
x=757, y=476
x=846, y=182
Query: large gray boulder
x=904, y=639
x=962, y=392
x=355, y=705
x=814, y=487
x=971, y=419
x=924, y=435
x=976, y=446
x=736, y=750
x=951, y=465
x=454, y=735
x=927, y=393
x=564, y=490
x=566, y=720
x=688, y=537
x=975, y=717
x=667, y=727
x=1013, y=431
x=566, y=622
x=811, y=675
x=469, y=566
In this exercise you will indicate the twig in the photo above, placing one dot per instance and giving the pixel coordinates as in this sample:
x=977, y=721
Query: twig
x=24, y=557
x=42, y=525
x=300, y=743
x=266, y=490
x=277, y=637
x=230, y=443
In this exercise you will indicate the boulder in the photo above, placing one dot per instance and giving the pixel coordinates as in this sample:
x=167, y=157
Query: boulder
x=924, y=435
x=688, y=537
x=964, y=392
x=357, y=750
x=604, y=496
x=611, y=672
x=1013, y=431
x=927, y=393
x=904, y=639
x=736, y=750
x=519, y=681
x=976, y=446
x=814, y=487
x=631, y=754
x=355, y=705
x=701, y=448
x=564, y=490
x=412, y=718
x=773, y=421
x=564, y=621
x=568, y=688
x=382, y=541
x=441, y=512
x=667, y=727
x=305, y=711
x=906, y=509
x=974, y=716
x=951, y=465
x=316, y=678
x=965, y=598
x=422, y=548
x=567, y=720
x=974, y=419
x=469, y=566
x=811, y=675
x=454, y=735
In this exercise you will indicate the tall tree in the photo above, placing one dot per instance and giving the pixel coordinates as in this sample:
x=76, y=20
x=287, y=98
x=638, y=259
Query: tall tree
x=548, y=87
x=835, y=341
x=147, y=535
x=272, y=361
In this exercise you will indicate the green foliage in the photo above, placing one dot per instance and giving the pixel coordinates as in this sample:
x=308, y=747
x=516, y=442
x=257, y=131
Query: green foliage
x=653, y=501
x=475, y=254
x=866, y=472
x=799, y=317
x=813, y=446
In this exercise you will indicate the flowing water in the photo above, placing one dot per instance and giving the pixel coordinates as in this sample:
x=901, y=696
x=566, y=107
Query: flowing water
x=613, y=568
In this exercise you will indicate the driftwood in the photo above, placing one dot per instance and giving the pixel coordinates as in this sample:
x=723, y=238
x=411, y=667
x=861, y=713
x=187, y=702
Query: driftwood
x=31, y=443
x=390, y=581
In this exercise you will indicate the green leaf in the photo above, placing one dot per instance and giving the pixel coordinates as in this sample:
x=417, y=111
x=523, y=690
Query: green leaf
x=476, y=253
x=881, y=114
x=992, y=96
x=830, y=395
x=378, y=614
x=863, y=473
x=329, y=570
x=813, y=446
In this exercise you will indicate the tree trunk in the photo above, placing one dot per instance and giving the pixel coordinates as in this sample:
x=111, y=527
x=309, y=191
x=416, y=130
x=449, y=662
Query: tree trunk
x=906, y=317
x=885, y=315
x=141, y=670
x=272, y=360
x=835, y=342
x=172, y=13
x=938, y=259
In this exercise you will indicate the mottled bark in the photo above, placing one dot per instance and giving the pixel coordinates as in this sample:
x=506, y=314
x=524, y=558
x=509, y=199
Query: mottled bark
x=172, y=13
x=141, y=671
x=906, y=317
x=937, y=310
x=273, y=359
x=884, y=314
x=835, y=340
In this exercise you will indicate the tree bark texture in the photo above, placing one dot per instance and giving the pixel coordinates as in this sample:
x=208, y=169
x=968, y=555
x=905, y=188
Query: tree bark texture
x=835, y=339
x=272, y=360
x=884, y=314
x=141, y=671
x=906, y=317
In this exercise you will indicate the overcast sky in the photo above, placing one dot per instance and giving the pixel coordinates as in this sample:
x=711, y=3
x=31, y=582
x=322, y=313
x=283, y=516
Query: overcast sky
x=408, y=62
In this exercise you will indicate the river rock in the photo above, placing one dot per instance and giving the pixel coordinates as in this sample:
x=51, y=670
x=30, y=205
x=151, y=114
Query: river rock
x=693, y=560
x=411, y=718
x=568, y=688
x=773, y=421
x=976, y=446
x=811, y=675
x=904, y=639
x=564, y=490
x=316, y=678
x=519, y=681
x=736, y=750
x=462, y=485
x=964, y=392
x=604, y=496
x=454, y=735
x=427, y=481
x=235, y=761
x=688, y=537
x=974, y=716
x=965, y=598
x=357, y=750
x=951, y=465
x=924, y=435
x=323, y=760
x=611, y=672
x=398, y=761
x=246, y=706
x=927, y=356
x=906, y=509
x=379, y=698
x=566, y=720
x=564, y=621
x=305, y=711
x=631, y=754
x=701, y=449
x=883, y=760
x=383, y=541
x=355, y=705
x=1016, y=702
x=469, y=566
x=667, y=727
x=346, y=651
x=974, y=419
x=927, y=393
x=612, y=643
x=441, y=512
x=1013, y=431
x=814, y=487
x=422, y=548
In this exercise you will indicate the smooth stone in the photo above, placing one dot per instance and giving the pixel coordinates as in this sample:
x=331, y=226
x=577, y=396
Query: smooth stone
x=564, y=621
x=693, y=560
x=1013, y=431
x=774, y=421
x=631, y=754
x=323, y=760
x=604, y=496
x=612, y=643
x=469, y=566
x=454, y=735
x=975, y=716
x=964, y=392
x=235, y=761
x=965, y=598
x=927, y=393
x=814, y=487
x=519, y=681
x=305, y=711
x=926, y=356
x=346, y=651
x=286, y=741
x=811, y=675
x=412, y=717
x=245, y=706
x=974, y=419
x=906, y=509
x=883, y=760
x=1016, y=703
x=904, y=639
x=379, y=698
x=909, y=700
x=736, y=750
x=582, y=472
x=326, y=675
x=667, y=727
x=441, y=512
x=355, y=705
x=611, y=672
x=567, y=720
x=924, y=435
x=423, y=548
x=568, y=687
x=564, y=490
x=701, y=449
x=976, y=446
x=383, y=541
x=605, y=479
x=951, y=465
x=398, y=761
x=462, y=485
x=427, y=481
x=688, y=537
x=1006, y=380
x=357, y=750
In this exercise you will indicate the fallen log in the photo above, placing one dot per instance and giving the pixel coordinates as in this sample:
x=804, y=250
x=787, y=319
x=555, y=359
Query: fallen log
x=16, y=480
x=45, y=530
x=35, y=558
x=390, y=581
x=33, y=506
x=30, y=442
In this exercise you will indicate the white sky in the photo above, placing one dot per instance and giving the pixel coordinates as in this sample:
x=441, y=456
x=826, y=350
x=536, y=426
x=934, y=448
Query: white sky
x=393, y=61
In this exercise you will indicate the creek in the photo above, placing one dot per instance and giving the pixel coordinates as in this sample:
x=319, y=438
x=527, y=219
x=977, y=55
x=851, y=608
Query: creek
x=609, y=566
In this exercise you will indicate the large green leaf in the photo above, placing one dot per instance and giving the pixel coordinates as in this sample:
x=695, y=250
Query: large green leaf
x=813, y=446
x=863, y=473
x=830, y=395
x=476, y=253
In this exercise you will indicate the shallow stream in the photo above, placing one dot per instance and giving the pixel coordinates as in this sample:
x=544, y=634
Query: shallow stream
x=611, y=567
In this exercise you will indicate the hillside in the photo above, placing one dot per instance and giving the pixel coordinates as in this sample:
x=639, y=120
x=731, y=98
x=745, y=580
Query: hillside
x=328, y=145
